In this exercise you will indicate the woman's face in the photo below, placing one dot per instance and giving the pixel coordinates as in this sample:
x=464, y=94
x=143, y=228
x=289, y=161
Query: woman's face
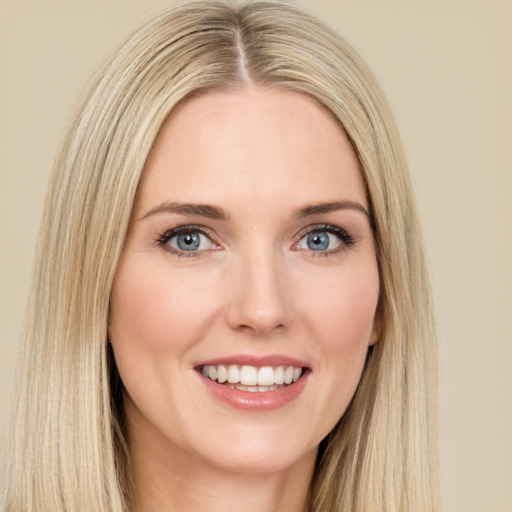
x=249, y=261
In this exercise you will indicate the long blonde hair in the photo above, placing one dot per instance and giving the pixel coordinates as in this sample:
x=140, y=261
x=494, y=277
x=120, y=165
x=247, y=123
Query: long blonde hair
x=68, y=444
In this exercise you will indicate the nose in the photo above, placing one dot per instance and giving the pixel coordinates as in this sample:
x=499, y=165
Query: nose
x=260, y=301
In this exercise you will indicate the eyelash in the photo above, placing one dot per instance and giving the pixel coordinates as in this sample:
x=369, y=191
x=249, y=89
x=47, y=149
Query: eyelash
x=346, y=240
x=183, y=230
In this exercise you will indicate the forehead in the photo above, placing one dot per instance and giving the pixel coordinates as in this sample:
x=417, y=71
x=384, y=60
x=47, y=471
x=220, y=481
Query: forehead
x=263, y=143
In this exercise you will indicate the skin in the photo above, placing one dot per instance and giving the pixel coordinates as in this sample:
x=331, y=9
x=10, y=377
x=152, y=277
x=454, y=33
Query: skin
x=255, y=287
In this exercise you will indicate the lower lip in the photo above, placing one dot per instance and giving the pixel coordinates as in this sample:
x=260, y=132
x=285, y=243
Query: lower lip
x=259, y=401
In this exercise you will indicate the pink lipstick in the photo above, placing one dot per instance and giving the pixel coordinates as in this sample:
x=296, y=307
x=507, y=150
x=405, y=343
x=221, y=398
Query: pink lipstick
x=254, y=383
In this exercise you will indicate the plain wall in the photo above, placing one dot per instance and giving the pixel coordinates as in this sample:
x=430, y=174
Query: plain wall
x=446, y=67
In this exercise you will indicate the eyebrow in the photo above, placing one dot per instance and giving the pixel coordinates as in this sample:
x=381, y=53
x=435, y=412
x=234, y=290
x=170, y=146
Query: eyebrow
x=202, y=210
x=333, y=206
x=218, y=213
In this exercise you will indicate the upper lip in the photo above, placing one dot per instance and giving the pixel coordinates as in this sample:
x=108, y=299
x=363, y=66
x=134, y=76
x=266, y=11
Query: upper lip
x=256, y=360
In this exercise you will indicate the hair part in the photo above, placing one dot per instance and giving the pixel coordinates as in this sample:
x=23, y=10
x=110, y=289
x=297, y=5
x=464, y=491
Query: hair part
x=381, y=455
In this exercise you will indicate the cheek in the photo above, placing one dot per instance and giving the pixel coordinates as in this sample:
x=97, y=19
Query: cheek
x=341, y=321
x=155, y=318
x=343, y=310
x=152, y=309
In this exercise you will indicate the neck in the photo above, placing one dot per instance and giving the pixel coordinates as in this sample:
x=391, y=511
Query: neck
x=174, y=480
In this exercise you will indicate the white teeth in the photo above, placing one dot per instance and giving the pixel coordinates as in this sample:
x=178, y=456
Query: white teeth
x=212, y=372
x=252, y=378
x=265, y=376
x=233, y=374
x=222, y=373
x=249, y=376
x=279, y=375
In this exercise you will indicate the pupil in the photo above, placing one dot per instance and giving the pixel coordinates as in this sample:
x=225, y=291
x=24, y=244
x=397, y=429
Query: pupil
x=188, y=242
x=318, y=241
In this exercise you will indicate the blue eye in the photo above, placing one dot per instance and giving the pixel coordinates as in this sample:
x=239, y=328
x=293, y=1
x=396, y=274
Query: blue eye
x=319, y=241
x=325, y=239
x=187, y=241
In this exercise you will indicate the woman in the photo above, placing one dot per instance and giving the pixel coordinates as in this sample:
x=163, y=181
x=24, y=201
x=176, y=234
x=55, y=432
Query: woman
x=230, y=307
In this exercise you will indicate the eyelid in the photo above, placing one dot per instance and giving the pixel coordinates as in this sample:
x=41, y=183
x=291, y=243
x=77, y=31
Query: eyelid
x=346, y=239
x=186, y=228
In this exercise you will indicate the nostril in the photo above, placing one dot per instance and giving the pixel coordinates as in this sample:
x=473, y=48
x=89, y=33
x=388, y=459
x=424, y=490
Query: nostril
x=258, y=326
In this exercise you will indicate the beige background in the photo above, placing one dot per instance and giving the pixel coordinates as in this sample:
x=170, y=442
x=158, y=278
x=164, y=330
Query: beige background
x=446, y=67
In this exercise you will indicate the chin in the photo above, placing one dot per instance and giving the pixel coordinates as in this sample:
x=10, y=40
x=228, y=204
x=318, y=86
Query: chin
x=272, y=463
x=259, y=454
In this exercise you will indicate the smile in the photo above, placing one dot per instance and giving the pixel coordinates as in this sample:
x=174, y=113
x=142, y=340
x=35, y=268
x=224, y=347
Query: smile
x=254, y=383
x=252, y=378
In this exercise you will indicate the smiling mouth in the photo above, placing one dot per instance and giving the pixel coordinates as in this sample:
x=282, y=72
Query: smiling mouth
x=252, y=378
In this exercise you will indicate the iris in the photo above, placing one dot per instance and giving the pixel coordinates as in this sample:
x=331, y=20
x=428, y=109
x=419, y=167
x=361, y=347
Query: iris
x=188, y=241
x=318, y=241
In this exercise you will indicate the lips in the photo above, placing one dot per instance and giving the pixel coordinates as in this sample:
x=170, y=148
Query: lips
x=255, y=383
